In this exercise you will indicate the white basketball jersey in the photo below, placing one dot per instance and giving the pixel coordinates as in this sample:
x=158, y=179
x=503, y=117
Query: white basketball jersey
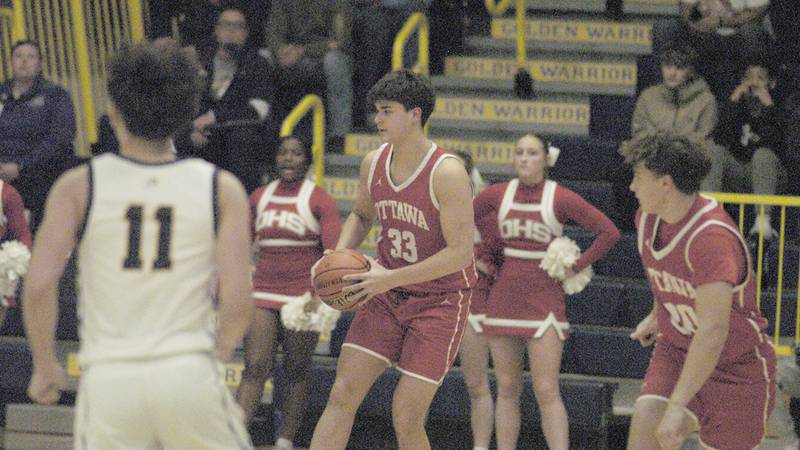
x=146, y=259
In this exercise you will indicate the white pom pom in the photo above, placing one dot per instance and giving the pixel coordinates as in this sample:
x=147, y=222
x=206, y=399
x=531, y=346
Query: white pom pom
x=14, y=261
x=578, y=282
x=295, y=317
x=563, y=253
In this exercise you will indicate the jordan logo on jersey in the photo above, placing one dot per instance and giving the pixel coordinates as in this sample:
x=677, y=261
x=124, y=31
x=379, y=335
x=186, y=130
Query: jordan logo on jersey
x=393, y=209
x=666, y=282
x=529, y=229
x=285, y=220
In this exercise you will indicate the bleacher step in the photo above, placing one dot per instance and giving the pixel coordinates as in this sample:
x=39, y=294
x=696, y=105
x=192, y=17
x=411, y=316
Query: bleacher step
x=33, y=441
x=31, y=418
x=651, y=7
x=616, y=76
x=580, y=35
x=588, y=6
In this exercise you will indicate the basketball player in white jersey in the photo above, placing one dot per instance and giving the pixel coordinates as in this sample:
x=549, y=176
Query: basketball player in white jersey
x=151, y=232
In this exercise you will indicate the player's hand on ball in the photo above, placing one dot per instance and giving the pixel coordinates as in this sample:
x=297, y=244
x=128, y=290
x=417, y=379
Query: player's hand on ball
x=646, y=331
x=47, y=382
x=370, y=284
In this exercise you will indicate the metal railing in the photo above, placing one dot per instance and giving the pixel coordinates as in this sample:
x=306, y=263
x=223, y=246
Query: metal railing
x=497, y=9
x=75, y=38
x=308, y=103
x=419, y=23
x=762, y=203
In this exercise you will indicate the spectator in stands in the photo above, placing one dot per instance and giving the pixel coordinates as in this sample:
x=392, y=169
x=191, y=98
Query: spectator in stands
x=750, y=139
x=37, y=127
x=13, y=226
x=526, y=310
x=375, y=26
x=784, y=15
x=231, y=131
x=681, y=104
x=286, y=255
x=722, y=31
x=713, y=366
x=197, y=20
x=308, y=40
x=474, y=352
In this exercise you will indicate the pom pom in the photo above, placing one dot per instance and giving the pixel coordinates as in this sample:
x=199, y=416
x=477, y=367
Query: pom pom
x=295, y=317
x=563, y=253
x=14, y=261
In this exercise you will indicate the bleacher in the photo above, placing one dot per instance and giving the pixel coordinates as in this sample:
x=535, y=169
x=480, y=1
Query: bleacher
x=586, y=75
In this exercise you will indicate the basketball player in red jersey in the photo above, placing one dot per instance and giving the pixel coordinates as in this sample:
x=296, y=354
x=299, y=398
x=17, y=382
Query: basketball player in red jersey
x=415, y=300
x=293, y=221
x=526, y=306
x=13, y=226
x=713, y=366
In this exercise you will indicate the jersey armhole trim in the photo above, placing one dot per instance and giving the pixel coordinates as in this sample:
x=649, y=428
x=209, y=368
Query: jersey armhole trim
x=89, y=198
x=435, y=200
x=373, y=165
x=215, y=198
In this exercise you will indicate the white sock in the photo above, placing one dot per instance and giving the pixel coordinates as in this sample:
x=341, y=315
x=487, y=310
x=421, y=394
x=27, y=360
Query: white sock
x=284, y=444
x=479, y=448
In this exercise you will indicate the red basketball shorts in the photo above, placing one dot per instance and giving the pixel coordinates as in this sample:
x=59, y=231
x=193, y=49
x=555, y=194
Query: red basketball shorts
x=420, y=333
x=733, y=405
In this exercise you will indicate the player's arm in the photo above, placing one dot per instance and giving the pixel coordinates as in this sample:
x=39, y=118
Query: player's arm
x=15, y=211
x=232, y=260
x=713, y=310
x=362, y=216
x=63, y=216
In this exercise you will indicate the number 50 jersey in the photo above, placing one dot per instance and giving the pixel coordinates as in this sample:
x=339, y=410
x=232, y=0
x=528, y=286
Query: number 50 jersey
x=409, y=215
x=146, y=259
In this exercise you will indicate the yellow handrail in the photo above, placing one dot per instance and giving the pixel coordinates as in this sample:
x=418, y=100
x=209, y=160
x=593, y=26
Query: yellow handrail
x=416, y=21
x=760, y=202
x=521, y=50
x=497, y=8
x=136, y=18
x=18, y=30
x=309, y=102
x=84, y=71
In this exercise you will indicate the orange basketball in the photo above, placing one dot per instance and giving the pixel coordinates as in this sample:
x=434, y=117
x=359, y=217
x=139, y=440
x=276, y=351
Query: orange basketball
x=328, y=281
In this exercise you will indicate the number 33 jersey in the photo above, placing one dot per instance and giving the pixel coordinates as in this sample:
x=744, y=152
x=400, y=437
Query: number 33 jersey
x=703, y=247
x=146, y=259
x=409, y=215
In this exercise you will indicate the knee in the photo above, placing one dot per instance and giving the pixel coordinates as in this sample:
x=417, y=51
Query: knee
x=478, y=387
x=258, y=367
x=343, y=397
x=509, y=388
x=407, y=417
x=764, y=157
x=546, y=390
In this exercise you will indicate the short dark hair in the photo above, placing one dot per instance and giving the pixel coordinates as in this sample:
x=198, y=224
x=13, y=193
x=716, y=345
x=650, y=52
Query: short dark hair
x=407, y=88
x=673, y=155
x=30, y=42
x=156, y=86
x=680, y=54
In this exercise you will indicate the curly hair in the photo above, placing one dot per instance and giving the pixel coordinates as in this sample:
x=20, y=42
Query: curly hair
x=668, y=154
x=156, y=86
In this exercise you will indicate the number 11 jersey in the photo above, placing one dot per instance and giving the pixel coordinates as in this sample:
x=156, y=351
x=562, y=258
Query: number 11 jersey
x=409, y=215
x=146, y=259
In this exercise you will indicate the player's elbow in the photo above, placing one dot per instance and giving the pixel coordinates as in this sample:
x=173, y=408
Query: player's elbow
x=462, y=256
x=714, y=333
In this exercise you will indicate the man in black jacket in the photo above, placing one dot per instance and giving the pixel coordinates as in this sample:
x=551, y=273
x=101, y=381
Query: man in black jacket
x=231, y=131
x=748, y=157
x=37, y=127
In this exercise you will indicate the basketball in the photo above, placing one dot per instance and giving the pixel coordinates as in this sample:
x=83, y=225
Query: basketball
x=328, y=275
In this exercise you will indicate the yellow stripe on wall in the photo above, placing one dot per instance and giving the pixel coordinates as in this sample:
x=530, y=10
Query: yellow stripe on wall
x=482, y=151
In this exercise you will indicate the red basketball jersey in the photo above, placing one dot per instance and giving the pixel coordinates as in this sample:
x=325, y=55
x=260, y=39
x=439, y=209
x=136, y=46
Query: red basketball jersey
x=680, y=257
x=287, y=227
x=409, y=214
